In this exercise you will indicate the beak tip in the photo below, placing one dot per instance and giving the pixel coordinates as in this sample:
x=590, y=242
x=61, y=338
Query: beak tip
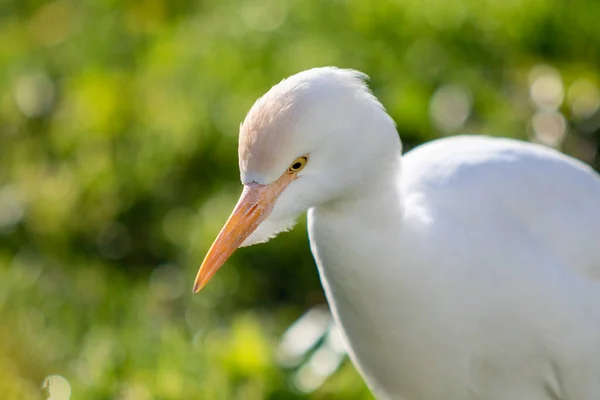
x=252, y=208
x=197, y=287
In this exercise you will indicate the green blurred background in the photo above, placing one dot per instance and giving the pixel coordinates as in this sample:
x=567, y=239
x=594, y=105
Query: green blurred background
x=118, y=165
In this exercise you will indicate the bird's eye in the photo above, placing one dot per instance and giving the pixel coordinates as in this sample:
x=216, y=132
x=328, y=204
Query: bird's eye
x=298, y=164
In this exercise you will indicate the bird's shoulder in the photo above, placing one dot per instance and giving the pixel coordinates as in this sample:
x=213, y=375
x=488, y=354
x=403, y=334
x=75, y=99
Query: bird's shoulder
x=503, y=192
x=485, y=163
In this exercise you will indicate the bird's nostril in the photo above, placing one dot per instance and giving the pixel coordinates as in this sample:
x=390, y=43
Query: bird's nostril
x=251, y=209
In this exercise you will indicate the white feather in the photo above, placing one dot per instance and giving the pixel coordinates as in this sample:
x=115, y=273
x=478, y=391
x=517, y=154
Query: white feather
x=467, y=269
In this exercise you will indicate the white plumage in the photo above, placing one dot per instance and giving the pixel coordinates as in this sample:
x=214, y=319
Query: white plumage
x=467, y=269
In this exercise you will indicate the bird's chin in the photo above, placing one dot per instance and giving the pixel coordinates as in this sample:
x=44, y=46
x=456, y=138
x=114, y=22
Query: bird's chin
x=267, y=230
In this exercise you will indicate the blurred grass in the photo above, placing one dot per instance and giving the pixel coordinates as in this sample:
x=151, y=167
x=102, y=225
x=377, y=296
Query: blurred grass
x=118, y=135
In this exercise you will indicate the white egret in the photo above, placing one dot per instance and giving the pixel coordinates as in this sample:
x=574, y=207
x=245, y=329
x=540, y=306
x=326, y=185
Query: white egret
x=468, y=268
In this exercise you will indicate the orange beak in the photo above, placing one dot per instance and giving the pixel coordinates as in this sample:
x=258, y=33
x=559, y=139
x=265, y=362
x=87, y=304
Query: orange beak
x=255, y=204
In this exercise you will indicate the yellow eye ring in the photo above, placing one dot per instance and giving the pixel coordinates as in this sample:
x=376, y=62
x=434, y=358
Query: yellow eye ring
x=298, y=164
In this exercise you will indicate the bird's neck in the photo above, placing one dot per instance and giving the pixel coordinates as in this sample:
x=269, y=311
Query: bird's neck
x=362, y=249
x=356, y=240
x=378, y=200
x=377, y=205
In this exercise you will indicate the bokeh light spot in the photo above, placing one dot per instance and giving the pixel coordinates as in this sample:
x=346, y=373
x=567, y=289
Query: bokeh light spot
x=263, y=16
x=34, y=94
x=57, y=388
x=449, y=108
x=549, y=128
x=11, y=209
x=546, y=88
x=584, y=98
x=303, y=335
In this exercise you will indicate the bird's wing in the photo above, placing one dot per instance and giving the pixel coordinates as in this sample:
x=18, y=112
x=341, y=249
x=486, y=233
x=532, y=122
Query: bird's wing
x=515, y=226
x=553, y=197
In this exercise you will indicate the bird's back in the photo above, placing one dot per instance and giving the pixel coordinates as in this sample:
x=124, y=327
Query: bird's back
x=552, y=198
x=521, y=222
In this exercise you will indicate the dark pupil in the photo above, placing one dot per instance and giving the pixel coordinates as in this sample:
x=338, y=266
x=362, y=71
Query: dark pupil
x=296, y=165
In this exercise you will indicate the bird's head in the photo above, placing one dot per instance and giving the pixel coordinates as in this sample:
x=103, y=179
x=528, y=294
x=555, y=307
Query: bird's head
x=315, y=137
